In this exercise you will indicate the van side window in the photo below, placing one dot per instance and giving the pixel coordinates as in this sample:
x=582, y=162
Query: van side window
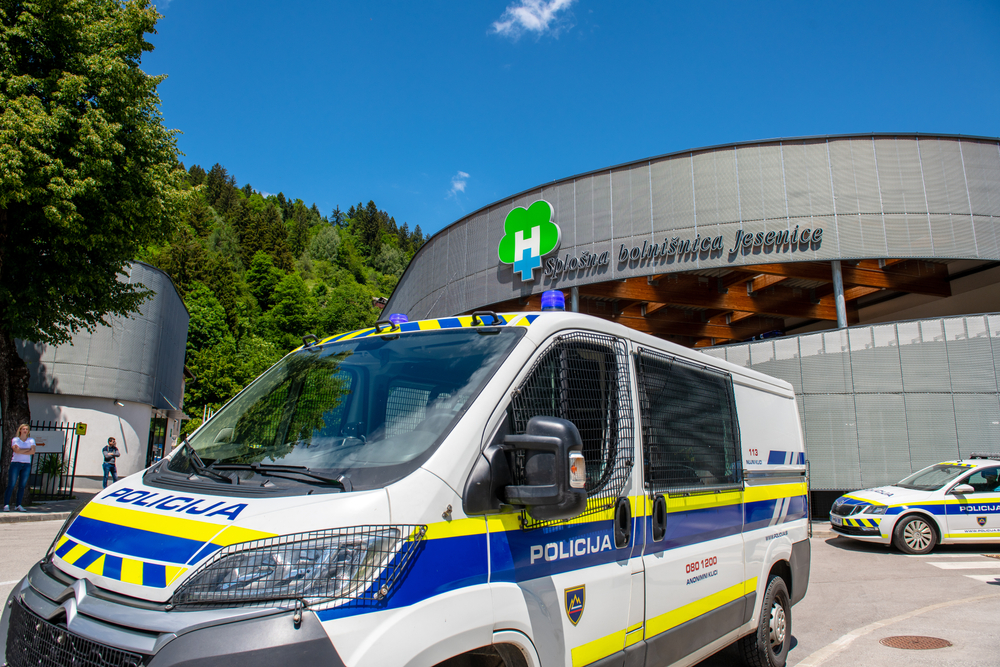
x=583, y=378
x=689, y=428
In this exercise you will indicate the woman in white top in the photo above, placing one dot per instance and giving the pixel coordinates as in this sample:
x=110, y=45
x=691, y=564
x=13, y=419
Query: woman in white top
x=20, y=466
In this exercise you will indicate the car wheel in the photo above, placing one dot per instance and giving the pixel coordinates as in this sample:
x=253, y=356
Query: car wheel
x=768, y=647
x=914, y=535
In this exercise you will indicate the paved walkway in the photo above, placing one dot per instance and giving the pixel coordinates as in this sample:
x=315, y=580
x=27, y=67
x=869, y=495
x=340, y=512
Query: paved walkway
x=84, y=489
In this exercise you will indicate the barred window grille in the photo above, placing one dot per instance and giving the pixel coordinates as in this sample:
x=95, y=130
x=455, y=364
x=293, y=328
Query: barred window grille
x=583, y=378
x=689, y=429
x=35, y=642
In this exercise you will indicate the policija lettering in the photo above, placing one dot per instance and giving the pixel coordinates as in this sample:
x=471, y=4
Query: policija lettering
x=171, y=503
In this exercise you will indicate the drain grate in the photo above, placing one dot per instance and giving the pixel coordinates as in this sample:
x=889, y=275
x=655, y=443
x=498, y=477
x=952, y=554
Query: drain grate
x=914, y=642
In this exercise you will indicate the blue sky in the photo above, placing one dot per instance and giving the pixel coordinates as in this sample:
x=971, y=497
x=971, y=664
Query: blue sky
x=435, y=109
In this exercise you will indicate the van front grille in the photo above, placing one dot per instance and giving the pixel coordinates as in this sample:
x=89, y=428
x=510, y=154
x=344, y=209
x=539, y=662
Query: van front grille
x=34, y=642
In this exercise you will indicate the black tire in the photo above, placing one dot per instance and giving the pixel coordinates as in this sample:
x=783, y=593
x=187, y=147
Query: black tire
x=768, y=647
x=915, y=534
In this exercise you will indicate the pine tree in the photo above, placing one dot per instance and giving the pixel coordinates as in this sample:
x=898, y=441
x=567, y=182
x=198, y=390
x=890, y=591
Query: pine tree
x=338, y=218
x=215, y=184
x=196, y=175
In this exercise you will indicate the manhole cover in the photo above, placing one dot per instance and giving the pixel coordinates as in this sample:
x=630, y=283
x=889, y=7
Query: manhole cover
x=914, y=642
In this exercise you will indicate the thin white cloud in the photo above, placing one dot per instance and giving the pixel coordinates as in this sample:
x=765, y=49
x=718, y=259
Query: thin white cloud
x=458, y=182
x=535, y=16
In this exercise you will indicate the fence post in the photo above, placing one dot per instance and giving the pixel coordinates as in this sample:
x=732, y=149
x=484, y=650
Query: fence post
x=76, y=454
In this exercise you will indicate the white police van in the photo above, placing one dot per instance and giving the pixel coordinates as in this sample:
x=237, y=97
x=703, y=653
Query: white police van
x=954, y=502
x=517, y=489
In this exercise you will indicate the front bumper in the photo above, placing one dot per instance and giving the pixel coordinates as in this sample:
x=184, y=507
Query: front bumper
x=860, y=527
x=47, y=623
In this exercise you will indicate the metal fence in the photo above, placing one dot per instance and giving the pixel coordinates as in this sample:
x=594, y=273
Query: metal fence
x=880, y=401
x=53, y=473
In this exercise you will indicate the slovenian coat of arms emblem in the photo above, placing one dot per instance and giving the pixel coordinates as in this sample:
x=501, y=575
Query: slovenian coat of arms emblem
x=575, y=598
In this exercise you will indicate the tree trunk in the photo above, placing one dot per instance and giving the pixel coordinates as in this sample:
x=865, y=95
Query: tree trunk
x=13, y=399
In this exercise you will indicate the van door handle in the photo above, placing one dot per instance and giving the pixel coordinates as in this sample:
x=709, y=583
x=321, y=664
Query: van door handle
x=659, y=517
x=623, y=523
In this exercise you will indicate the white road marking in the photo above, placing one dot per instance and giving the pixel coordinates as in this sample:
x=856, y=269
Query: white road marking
x=936, y=555
x=970, y=565
x=988, y=578
x=819, y=657
x=8, y=583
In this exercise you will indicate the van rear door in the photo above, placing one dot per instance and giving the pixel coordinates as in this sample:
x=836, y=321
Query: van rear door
x=696, y=588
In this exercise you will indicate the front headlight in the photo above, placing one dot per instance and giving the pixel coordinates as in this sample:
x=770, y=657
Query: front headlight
x=873, y=509
x=361, y=563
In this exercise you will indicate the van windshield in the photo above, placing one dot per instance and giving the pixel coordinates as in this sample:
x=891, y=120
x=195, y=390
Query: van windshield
x=933, y=478
x=371, y=409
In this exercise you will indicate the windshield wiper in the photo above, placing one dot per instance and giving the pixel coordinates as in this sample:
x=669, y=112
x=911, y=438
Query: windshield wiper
x=274, y=470
x=199, y=465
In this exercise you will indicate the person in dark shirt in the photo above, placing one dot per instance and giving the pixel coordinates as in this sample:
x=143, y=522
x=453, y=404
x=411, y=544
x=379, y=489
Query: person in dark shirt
x=110, y=468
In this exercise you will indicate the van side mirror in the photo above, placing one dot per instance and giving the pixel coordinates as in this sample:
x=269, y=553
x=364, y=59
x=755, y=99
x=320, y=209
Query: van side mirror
x=554, y=469
x=962, y=489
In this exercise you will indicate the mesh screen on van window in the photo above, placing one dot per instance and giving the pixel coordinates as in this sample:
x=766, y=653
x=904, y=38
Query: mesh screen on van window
x=405, y=408
x=583, y=378
x=689, y=429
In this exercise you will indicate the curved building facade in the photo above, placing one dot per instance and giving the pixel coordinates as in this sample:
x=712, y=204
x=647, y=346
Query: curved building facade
x=714, y=247
x=124, y=379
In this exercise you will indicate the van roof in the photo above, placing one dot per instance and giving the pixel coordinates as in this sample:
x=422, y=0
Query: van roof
x=551, y=321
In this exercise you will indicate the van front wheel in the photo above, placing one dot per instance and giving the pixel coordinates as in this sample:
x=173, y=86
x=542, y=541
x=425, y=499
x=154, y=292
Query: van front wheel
x=915, y=535
x=768, y=647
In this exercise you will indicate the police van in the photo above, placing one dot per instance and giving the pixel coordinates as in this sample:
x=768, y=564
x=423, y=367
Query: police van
x=954, y=502
x=497, y=489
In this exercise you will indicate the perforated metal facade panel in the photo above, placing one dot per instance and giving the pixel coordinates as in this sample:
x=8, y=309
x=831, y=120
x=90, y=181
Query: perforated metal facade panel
x=138, y=359
x=894, y=399
x=874, y=196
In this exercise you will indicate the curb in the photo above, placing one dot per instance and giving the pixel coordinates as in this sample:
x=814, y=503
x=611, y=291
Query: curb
x=25, y=517
x=822, y=529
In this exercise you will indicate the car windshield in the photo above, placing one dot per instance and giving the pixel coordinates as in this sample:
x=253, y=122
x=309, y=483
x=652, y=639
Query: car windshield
x=371, y=409
x=933, y=478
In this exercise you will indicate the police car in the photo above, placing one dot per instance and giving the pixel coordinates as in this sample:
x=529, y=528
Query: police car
x=953, y=502
x=518, y=488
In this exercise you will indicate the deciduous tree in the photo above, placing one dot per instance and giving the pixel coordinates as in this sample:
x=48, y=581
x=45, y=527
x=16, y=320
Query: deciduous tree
x=88, y=174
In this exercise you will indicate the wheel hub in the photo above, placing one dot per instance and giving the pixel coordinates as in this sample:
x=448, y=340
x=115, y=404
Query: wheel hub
x=917, y=535
x=778, y=626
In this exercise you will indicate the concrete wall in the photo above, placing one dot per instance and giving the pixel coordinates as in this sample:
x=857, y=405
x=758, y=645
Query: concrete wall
x=129, y=425
x=880, y=401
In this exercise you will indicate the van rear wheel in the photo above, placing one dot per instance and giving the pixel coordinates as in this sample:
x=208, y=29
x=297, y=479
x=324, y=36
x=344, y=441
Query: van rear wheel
x=914, y=535
x=768, y=647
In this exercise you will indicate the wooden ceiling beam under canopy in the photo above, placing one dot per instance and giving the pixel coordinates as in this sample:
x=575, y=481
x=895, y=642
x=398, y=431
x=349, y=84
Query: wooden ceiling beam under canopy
x=929, y=280
x=688, y=290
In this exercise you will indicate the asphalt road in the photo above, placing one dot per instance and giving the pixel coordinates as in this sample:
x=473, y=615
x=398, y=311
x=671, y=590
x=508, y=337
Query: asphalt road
x=858, y=594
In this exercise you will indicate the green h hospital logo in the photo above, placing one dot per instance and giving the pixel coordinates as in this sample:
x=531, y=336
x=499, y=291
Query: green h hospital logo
x=529, y=234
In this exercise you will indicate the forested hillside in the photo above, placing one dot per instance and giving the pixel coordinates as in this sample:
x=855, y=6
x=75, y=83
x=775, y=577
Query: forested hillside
x=259, y=272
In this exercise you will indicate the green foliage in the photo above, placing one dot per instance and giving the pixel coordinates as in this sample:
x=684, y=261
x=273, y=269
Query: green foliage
x=324, y=245
x=207, y=326
x=225, y=368
x=391, y=261
x=293, y=314
x=89, y=173
x=348, y=307
x=258, y=273
x=262, y=278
